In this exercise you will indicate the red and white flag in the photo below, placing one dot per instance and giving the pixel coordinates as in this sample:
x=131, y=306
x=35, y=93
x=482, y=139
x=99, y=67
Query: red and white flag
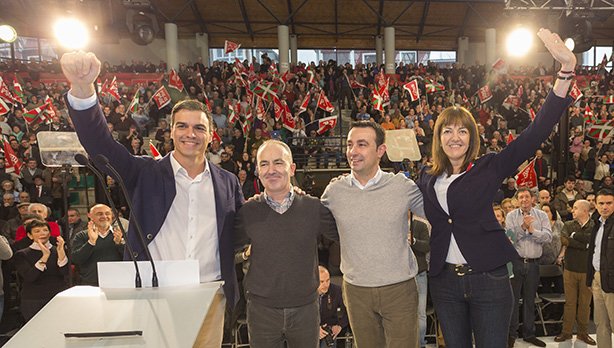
x=484, y=94
x=49, y=108
x=311, y=77
x=305, y=103
x=19, y=96
x=216, y=137
x=527, y=177
x=12, y=164
x=609, y=99
x=288, y=120
x=377, y=101
x=207, y=102
x=575, y=92
x=174, y=81
x=5, y=93
x=326, y=123
x=324, y=103
x=35, y=115
x=498, y=65
x=233, y=114
x=412, y=88
x=245, y=128
x=287, y=76
x=510, y=138
x=4, y=109
x=112, y=89
x=532, y=114
x=154, y=151
x=465, y=99
x=260, y=111
x=278, y=108
x=161, y=97
x=230, y=46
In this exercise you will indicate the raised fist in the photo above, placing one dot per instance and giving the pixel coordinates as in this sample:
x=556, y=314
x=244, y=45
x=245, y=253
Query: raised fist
x=81, y=69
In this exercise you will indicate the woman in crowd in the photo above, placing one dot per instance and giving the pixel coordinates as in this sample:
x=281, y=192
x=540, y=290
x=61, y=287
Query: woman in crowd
x=469, y=280
x=552, y=255
x=42, y=267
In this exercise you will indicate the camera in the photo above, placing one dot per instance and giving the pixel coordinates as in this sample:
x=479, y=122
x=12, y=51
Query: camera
x=330, y=341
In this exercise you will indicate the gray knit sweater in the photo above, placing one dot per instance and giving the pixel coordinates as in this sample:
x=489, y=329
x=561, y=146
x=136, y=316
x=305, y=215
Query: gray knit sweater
x=372, y=225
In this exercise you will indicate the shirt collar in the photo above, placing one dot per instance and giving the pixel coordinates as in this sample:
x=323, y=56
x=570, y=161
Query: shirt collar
x=35, y=245
x=178, y=168
x=289, y=197
x=373, y=181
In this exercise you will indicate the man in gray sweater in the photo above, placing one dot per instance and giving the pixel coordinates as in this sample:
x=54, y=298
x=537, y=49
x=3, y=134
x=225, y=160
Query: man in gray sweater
x=282, y=281
x=378, y=266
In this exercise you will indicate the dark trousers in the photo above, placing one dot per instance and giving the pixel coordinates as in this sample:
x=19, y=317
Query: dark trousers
x=270, y=327
x=524, y=284
x=478, y=303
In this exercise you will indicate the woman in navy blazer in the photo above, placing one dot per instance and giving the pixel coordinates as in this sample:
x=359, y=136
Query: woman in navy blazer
x=469, y=281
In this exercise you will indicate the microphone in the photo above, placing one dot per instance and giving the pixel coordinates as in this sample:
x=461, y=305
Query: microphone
x=83, y=160
x=105, y=161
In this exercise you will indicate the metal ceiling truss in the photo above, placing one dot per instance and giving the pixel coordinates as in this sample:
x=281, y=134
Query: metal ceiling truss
x=559, y=5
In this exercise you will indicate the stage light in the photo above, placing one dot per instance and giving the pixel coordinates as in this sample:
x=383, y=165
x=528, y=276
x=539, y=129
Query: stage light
x=580, y=31
x=570, y=43
x=519, y=42
x=71, y=33
x=7, y=33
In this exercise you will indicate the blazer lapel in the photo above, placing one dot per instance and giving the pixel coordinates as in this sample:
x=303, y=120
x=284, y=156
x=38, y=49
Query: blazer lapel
x=218, y=190
x=432, y=195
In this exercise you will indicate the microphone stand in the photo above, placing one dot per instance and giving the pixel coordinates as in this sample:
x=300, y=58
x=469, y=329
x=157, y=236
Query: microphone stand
x=104, y=160
x=85, y=161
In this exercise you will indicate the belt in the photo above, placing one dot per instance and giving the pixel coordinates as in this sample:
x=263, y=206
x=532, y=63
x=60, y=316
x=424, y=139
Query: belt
x=526, y=260
x=460, y=269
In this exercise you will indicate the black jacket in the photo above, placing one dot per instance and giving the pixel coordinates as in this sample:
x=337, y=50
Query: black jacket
x=606, y=264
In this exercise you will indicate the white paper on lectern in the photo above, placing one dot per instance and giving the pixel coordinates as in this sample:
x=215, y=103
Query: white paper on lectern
x=170, y=273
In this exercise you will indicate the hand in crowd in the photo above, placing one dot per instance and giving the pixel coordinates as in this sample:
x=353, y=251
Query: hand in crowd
x=92, y=234
x=527, y=223
x=60, y=247
x=117, y=235
x=44, y=249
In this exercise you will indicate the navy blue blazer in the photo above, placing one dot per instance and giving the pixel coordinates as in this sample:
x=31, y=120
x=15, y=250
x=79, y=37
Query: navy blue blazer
x=478, y=234
x=151, y=185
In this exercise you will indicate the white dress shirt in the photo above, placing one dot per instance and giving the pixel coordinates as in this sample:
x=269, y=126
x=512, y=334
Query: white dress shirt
x=455, y=256
x=190, y=229
x=597, y=252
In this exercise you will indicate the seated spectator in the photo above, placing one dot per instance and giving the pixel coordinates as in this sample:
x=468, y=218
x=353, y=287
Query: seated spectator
x=42, y=267
x=333, y=315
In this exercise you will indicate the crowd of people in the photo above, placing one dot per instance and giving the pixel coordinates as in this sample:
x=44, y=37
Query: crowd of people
x=33, y=199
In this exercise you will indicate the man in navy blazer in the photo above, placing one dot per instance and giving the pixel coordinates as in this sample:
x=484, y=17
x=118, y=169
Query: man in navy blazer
x=186, y=207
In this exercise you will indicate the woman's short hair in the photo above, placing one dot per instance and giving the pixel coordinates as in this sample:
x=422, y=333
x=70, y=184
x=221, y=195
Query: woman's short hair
x=36, y=223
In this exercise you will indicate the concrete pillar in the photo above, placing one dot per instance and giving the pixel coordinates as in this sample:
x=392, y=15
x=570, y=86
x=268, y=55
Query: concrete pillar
x=283, y=39
x=463, y=47
x=389, y=51
x=202, y=42
x=293, y=50
x=491, y=46
x=379, y=48
x=170, y=35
